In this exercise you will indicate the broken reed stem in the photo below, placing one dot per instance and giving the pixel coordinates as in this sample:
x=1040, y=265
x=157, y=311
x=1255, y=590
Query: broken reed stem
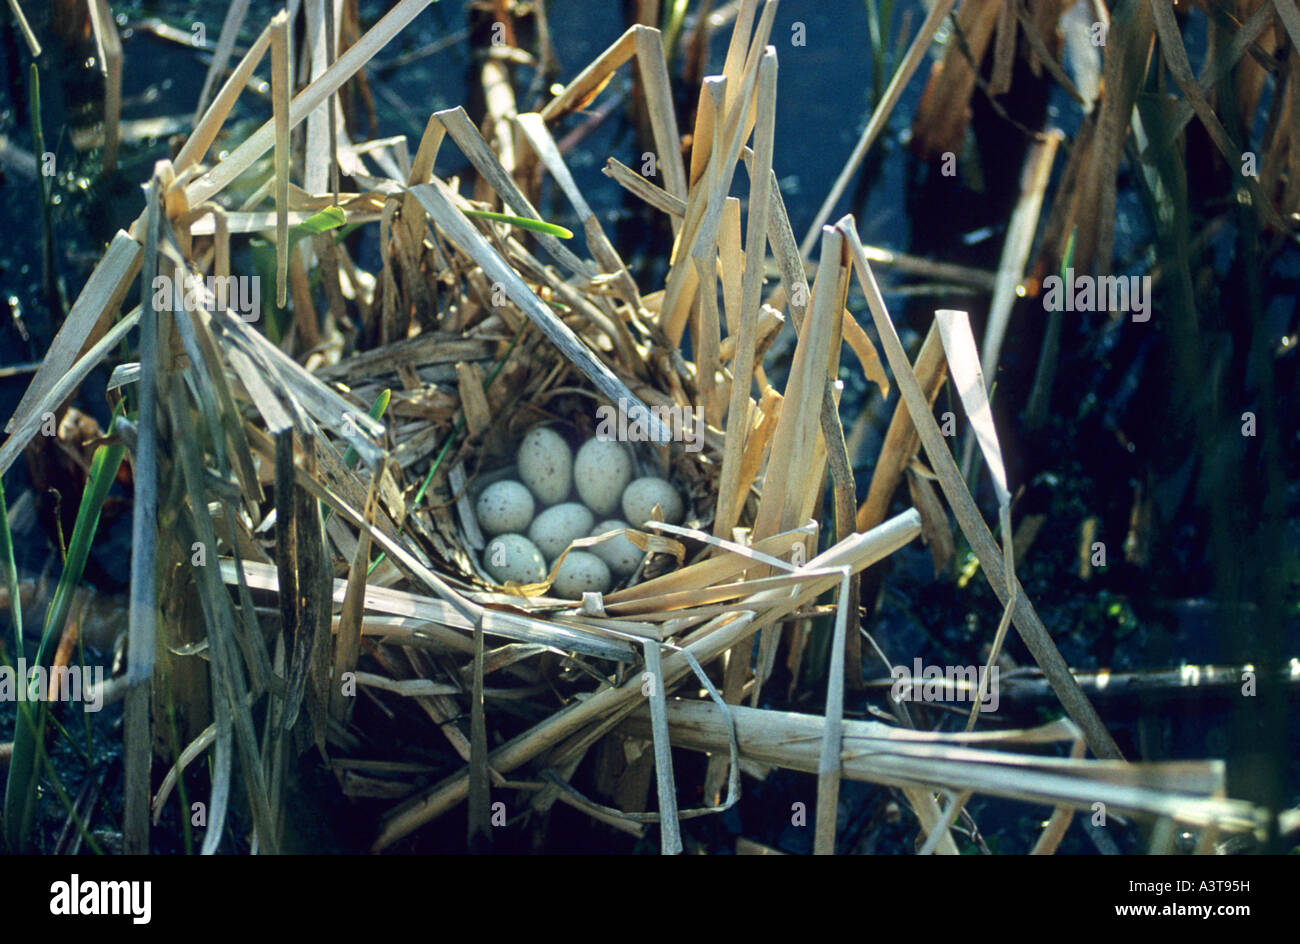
x=110, y=49
x=670, y=828
x=828, y=762
x=960, y=764
x=33, y=45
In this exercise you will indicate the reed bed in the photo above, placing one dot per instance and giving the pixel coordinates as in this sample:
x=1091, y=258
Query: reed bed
x=304, y=539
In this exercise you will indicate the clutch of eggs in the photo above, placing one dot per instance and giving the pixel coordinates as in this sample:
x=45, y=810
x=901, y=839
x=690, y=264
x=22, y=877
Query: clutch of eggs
x=525, y=541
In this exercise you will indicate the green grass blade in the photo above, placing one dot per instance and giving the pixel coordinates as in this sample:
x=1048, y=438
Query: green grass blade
x=322, y=222
x=522, y=222
x=103, y=470
x=20, y=788
x=22, y=761
x=10, y=573
x=377, y=410
x=674, y=17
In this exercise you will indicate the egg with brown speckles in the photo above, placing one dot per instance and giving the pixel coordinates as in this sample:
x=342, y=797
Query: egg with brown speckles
x=557, y=526
x=601, y=472
x=504, y=507
x=640, y=497
x=512, y=557
x=619, y=554
x=546, y=465
x=581, y=572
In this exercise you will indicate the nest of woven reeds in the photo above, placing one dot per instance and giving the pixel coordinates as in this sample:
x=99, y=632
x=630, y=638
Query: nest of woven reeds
x=328, y=478
x=514, y=379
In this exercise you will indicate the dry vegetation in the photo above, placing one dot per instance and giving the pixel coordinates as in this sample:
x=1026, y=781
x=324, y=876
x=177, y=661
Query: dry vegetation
x=340, y=561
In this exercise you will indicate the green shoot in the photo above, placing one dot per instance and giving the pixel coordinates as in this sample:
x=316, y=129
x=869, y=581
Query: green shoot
x=21, y=786
x=522, y=222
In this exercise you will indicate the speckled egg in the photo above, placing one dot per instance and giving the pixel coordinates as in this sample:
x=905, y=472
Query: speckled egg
x=555, y=527
x=601, y=472
x=514, y=557
x=503, y=507
x=640, y=497
x=619, y=554
x=579, y=572
x=546, y=465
